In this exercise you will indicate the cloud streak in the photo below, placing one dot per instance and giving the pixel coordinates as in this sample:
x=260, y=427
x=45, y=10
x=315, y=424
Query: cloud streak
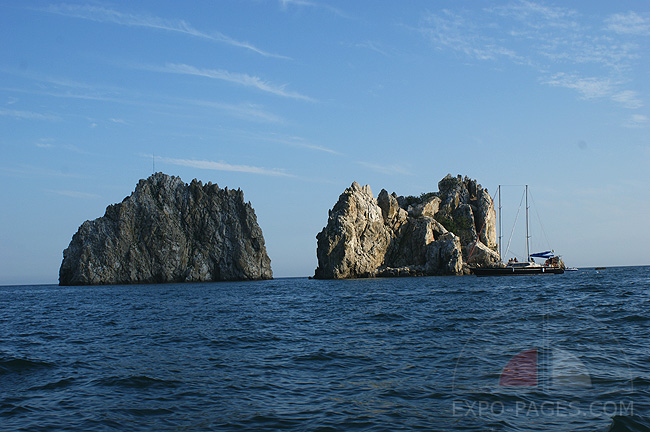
x=294, y=141
x=370, y=45
x=27, y=115
x=106, y=15
x=392, y=169
x=449, y=30
x=629, y=23
x=73, y=194
x=223, y=166
x=60, y=88
x=557, y=42
x=307, y=3
x=637, y=121
x=589, y=88
x=628, y=98
x=35, y=172
x=595, y=88
x=246, y=111
x=232, y=77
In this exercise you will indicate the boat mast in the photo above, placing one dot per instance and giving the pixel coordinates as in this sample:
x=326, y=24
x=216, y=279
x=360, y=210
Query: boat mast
x=527, y=236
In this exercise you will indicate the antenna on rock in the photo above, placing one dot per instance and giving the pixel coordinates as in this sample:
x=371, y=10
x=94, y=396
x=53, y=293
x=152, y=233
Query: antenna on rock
x=153, y=162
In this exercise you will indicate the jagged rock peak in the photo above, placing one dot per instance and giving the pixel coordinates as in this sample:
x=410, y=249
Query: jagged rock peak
x=169, y=231
x=436, y=233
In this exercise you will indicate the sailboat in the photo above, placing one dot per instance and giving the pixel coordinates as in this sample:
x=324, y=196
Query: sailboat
x=552, y=265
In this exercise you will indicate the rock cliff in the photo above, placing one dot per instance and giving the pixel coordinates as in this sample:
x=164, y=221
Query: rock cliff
x=434, y=234
x=169, y=231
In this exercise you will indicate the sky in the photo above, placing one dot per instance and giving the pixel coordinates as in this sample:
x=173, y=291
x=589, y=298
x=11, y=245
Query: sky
x=293, y=100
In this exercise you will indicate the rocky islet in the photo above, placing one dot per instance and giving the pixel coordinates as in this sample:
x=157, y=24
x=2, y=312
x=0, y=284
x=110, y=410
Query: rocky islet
x=169, y=231
x=438, y=233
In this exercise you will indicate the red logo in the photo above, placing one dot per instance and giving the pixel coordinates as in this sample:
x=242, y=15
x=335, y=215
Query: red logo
x=521, y=370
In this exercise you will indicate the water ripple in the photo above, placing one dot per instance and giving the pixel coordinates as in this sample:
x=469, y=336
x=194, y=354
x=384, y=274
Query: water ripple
x=297, y=354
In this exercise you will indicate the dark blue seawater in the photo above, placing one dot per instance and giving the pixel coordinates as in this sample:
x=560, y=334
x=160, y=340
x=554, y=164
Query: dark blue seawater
x=547, y=353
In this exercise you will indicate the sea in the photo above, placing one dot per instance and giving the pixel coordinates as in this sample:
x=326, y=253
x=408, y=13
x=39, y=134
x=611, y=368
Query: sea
x=564, y=352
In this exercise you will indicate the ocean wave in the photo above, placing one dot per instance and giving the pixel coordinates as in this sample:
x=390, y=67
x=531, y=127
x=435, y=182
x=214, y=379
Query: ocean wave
x=66, y=382
x=629, y=424
x=387, y=316
x=325, y=356
x=146, y=412
x=136, y=381
x=18, y=365
x=407, y=354
x=633, y=318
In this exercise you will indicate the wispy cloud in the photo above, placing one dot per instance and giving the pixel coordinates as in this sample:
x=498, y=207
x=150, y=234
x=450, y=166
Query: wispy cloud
x=637, y=121
x=595, y=88
x=69, y=94
x=54, y=86
x=27, y=115
x=537, y=15
x=223, y=166
x=45, y=143
x=51, y=81
x=30, y=171
x=449, y=30
x=373, y=46
x=106, y=15
x=303, y=144
x=294, y=141
x=73, y=194
x=628, y=98
x=558, y=42
x=589, y=88
x=51, y=143
x=246, y=111
x=313, y=4
x=237, y=78
x=629, y=23
x=551, y=35
x=392, y=169
x=62, y=88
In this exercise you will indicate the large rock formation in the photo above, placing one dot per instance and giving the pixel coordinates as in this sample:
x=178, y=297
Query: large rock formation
x=169, y=231
x=437, y=233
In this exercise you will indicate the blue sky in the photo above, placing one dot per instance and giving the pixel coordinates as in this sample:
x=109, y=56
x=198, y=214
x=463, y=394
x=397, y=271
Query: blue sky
x=293, y=100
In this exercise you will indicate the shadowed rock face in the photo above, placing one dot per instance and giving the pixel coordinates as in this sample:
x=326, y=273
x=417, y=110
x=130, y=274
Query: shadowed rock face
x=169, y=231
x=437, y=233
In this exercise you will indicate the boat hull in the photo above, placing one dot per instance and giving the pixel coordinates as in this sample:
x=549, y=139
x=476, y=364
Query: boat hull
x=514, y=271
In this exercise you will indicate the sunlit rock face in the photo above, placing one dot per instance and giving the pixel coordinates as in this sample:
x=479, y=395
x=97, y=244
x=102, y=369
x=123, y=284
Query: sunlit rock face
x=435, y=234
x=169, y=231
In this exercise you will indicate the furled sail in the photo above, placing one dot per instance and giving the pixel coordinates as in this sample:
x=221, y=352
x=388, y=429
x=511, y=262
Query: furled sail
x=546, y=254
